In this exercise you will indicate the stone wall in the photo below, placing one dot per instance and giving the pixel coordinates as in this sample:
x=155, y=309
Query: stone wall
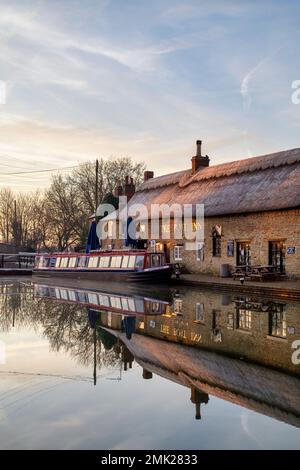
x=258, y=229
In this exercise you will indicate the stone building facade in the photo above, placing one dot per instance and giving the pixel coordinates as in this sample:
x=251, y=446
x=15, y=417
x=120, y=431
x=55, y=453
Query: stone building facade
x=251, y=213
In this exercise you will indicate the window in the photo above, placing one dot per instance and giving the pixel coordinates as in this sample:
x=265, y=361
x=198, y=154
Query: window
x=230, y=321
x=125, y=304
x=139, y=263
x=178, y=306
x=200, y=251
x=216, y=240
x=199, y=314
x=72, y=294
x=277, y=323
x=131, y=262
x=155, y=260
x=104, y=300
x=139, y=305
x=93, y=298
x=178, y=253
x=72, y=262
x=57, y=264
x=93, y=261
x=104, y=261
x=244, y=319
x=64, y=262
x=125, y=261
x=116, y=261
x=82, y=262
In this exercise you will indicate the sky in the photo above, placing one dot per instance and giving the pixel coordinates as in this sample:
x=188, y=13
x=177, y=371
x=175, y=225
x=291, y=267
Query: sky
x=112, y=78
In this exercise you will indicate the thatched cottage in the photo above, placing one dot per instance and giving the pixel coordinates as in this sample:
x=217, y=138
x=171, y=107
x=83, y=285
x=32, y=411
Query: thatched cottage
x=251, y=206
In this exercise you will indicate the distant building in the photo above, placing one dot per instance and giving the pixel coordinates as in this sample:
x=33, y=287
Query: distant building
x=251, y=206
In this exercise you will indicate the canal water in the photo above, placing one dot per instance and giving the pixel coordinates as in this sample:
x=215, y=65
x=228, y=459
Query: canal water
x=84, y=366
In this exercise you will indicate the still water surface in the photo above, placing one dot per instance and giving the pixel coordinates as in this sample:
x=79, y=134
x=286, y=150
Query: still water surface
x=146, y=369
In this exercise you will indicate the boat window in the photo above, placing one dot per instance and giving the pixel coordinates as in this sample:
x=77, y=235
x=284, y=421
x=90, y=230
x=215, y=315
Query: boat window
x=125, y=261
x=52, y=262
x=58, y=260
x=104, y=300
x=82, y=262
x=116, y=261
x=72, y=295
x=72, y=262
x=131, y=262
x=93, y=261
x=155, y=260
x=93, y=298
x=131, y=305
x=64, y=262
x=104, y=261
x=57, y=293
x=82, y=297
x=115, y=302
x=125, y=304
x=64, y=294
x=139, y=305
x=139, y=263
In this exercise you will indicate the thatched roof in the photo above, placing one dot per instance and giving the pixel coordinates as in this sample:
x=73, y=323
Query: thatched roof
x=264, y=183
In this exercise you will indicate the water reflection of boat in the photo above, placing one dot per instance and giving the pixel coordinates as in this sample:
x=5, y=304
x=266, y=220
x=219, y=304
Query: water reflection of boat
x=103, y=300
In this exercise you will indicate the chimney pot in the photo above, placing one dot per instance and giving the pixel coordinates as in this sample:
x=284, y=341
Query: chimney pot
x=148, y=175
x=199, y=145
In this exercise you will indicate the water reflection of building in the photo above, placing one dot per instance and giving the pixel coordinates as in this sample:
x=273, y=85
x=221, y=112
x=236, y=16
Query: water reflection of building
x=259, y=330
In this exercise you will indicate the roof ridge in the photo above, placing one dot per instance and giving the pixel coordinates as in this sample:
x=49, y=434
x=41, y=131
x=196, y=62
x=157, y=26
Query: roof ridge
x=247, y=165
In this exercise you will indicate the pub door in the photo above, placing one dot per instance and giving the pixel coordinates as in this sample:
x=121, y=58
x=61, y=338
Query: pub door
x=243, y=254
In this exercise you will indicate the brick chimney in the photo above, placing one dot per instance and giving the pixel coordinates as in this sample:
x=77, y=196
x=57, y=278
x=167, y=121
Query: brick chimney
x=148, y=175
x=129, y=187
x=198, y=161
x=118, y=190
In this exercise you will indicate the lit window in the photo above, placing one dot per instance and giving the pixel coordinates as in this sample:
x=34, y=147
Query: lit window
x=72, y=262
x=277, y=323
x=57, y=264
x=125, y=261
x=64, y=262
x=104, y=261
x=93, y=261
x=177, y=253
x=178, y=306
x=244, y=319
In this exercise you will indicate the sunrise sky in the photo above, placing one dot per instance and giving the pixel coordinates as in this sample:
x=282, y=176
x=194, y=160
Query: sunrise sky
x=101, y=78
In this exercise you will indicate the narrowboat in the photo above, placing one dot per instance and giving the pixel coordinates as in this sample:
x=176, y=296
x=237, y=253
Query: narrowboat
x=114, y=265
